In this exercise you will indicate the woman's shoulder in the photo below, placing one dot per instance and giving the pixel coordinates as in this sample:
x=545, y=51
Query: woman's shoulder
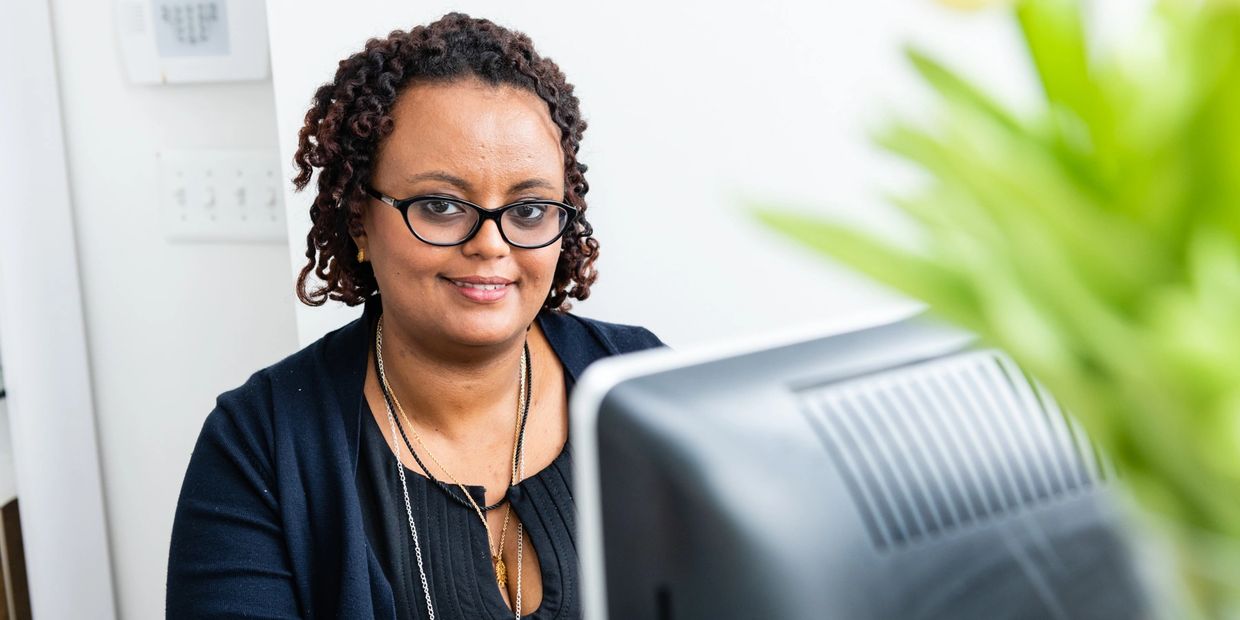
x=613, y=338
x=318, y=373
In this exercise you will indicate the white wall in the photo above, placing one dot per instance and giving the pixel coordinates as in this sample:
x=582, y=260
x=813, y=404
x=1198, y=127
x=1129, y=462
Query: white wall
x=169, y=326
x=691, y=104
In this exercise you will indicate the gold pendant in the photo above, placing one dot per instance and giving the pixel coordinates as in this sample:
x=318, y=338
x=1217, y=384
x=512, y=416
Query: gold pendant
x=501, y=571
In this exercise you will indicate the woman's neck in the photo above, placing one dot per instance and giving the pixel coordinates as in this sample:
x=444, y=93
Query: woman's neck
x=457, y=394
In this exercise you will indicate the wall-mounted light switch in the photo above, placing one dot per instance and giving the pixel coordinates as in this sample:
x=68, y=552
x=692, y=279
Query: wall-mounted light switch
x=221, y=195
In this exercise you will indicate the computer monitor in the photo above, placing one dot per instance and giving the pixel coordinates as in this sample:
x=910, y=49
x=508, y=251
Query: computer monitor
x=896, y=471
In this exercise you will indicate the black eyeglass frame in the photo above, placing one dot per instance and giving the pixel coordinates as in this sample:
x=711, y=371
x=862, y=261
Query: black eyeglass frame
x=402, y=204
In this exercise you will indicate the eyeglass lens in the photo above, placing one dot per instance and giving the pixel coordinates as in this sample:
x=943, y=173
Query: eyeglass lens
x=444, y=221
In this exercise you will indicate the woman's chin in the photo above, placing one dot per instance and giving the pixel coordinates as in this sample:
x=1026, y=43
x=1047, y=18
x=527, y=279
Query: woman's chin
x=484, y=331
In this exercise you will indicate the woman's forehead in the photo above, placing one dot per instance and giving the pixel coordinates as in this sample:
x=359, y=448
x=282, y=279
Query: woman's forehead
x=472, y=128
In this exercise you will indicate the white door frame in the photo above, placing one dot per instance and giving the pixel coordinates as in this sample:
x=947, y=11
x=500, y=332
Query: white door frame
x=43, y=337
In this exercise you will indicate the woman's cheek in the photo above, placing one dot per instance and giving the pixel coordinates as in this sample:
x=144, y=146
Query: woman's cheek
x=547, y=272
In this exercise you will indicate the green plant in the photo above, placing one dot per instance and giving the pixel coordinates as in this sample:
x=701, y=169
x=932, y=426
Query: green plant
x=1097, y=240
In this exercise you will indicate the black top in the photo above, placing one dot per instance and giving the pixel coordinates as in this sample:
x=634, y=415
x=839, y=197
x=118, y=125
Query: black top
x=455, y=550
x=270, y=519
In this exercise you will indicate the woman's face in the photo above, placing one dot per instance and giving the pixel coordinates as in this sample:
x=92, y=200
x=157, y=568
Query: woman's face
x=491, y=146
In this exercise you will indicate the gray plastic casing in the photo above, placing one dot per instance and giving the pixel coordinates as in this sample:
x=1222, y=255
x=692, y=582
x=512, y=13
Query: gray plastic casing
x=896, y=471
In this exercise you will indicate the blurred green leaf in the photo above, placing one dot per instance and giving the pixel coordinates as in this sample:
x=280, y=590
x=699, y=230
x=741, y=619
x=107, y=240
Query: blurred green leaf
x=1096, y=239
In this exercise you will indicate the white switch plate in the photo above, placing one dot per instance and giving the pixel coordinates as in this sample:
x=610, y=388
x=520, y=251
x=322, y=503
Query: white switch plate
x=222, y=195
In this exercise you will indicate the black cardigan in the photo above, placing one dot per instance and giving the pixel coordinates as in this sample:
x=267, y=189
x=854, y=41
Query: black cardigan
x=268, y=523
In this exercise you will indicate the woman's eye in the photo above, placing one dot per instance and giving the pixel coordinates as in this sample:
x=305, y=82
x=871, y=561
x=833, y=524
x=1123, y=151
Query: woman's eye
x=439, y=208
x=530, y=212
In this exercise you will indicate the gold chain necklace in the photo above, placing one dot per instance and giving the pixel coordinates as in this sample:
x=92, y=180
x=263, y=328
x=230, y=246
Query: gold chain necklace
x=497, y=559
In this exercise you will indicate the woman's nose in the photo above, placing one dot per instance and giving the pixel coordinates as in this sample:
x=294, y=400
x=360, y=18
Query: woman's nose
x=487, y=242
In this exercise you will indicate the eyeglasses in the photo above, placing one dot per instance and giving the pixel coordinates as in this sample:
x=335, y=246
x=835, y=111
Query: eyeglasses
x=447, y=221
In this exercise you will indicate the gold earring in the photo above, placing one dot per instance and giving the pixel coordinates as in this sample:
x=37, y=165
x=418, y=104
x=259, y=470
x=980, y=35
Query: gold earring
x=361, y=255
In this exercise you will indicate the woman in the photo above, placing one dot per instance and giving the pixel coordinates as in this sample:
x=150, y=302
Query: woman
x=415, y=463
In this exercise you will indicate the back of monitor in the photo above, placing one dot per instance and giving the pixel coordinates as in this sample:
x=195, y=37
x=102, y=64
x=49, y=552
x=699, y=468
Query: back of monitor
x=892, y=472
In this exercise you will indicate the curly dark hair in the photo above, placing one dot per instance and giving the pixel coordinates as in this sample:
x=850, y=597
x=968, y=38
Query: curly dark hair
x=351, y=115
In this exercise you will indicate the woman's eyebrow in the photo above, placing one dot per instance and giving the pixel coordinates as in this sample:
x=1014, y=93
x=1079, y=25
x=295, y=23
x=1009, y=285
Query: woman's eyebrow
x=463, y=185
x=534, y=183
x=438, y=175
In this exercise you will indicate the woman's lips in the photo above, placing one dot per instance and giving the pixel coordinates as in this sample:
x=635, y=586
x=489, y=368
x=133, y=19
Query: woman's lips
x=481, y=293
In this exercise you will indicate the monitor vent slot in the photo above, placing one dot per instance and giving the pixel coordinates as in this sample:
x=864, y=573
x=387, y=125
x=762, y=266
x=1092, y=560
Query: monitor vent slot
x=947, y=444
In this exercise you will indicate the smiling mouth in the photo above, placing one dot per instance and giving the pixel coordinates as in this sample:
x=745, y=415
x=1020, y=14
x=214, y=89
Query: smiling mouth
x=480, y=287
x=480, y=284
